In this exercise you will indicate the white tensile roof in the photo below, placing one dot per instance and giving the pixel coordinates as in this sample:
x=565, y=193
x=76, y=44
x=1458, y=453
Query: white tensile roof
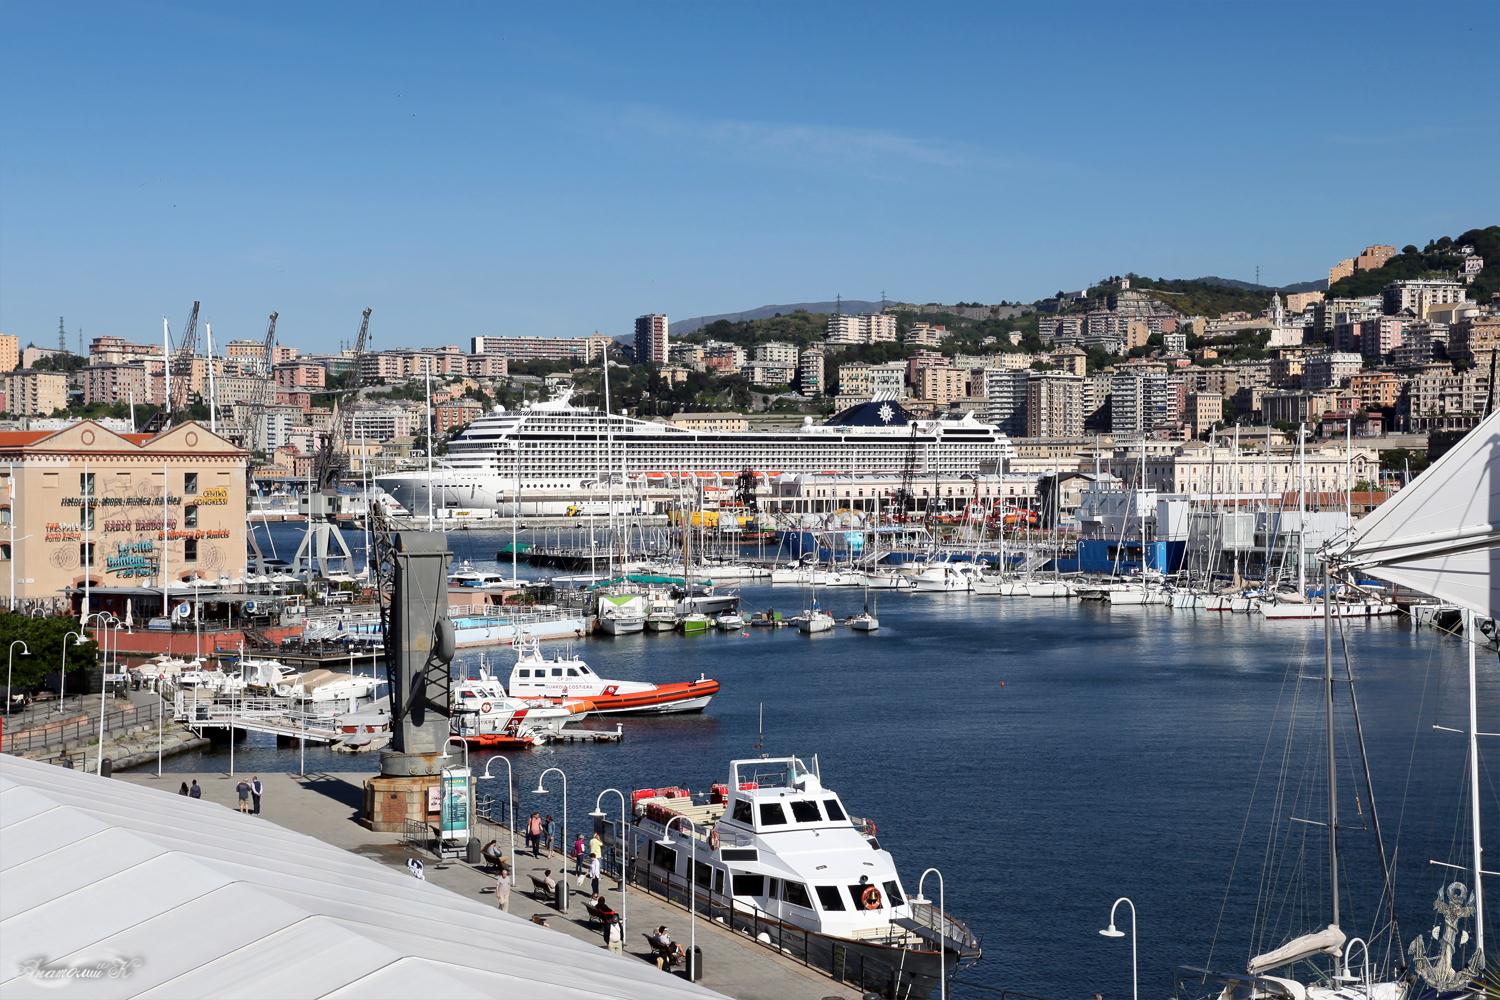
x=215, y=905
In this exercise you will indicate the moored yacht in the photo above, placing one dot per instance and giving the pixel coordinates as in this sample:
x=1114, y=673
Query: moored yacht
x=778, y=852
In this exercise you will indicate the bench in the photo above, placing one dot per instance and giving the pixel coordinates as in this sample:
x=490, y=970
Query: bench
x=600, y=914
x=539, y=889
x=665, y=957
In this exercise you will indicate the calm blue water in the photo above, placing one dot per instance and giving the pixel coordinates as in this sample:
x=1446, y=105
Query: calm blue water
x=1049, y=756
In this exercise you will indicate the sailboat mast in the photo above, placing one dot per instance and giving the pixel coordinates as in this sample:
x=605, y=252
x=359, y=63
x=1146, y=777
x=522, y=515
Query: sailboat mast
x=1302, y=510
x=1470, y=636
x=1333, y=801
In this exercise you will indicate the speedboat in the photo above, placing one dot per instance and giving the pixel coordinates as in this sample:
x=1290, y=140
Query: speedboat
x=328, y=685
x=730, y=621
x=942, y=577
x=694, y=622
x=565, y=679
x=781, y=854
x=469, y=578
x=662, y=615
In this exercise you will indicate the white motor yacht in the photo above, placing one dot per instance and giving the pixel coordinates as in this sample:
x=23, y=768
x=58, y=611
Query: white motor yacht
x=776, y=849
x=622, y=614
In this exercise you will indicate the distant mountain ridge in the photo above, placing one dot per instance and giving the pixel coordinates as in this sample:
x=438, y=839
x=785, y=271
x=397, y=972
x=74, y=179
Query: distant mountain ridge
x=854, y=306
x=1250, y=286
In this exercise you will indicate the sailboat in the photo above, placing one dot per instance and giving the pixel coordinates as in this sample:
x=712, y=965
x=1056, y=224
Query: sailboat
x=1440, y=536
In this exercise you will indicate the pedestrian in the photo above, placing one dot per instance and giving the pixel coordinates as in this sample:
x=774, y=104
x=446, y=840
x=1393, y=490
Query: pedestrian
x=491, y=854
x=502, y=889
x=594, y=874
x=596, y=846
x=195, y=791
x=183, y=790
x=534, y=834
x=547, y=832
x=243, y=789
x=579, y=854
x=615, y=936
x=256, y=788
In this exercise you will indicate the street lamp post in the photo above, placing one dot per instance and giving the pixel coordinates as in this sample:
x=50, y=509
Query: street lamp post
x=461, y=742
x=106, y=619
x=667, y=841
x=62, y=679
x=598, y=813
x=942, y=927
x=1112, y=932
x=539, y=790
x=510, y=802
x=10, y=698
x=1348, y=974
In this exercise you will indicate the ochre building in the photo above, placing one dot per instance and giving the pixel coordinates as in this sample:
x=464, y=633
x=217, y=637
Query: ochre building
x=87, y=503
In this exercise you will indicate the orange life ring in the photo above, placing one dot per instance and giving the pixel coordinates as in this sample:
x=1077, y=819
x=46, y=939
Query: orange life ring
x=485, y=707
x=870, y=898
x=713, y=839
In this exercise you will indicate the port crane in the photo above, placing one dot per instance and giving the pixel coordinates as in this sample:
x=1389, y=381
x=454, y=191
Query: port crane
x=178, y=366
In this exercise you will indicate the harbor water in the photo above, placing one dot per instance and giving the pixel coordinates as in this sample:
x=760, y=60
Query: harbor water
x=1049, y=756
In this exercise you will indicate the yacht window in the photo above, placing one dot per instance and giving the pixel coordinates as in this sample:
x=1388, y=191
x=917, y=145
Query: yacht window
x=524, y=672
x=572, y=672
x=585, y=671
x=557, y=671
x=663, y=857
x=748, y=885
x=828, y=896
x=719, y=881
x=806, y=811
x=835, y=811
x=857, y=890
x=773, y=888
x=705, y=873
x=796, y=894
x=893, y=893
x=739, y=854
x=742, y=811
x=771, y=814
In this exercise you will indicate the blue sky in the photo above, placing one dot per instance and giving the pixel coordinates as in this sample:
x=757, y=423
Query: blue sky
x=487, y=168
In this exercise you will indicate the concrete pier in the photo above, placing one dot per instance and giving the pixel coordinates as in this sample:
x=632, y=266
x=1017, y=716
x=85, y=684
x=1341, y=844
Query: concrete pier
x=327, y=806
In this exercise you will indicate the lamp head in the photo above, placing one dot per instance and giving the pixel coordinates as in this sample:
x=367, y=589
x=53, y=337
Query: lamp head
x=1112, y=931
x=597, y=813
x=920, y=900
x=667, y=841
x=539, y=790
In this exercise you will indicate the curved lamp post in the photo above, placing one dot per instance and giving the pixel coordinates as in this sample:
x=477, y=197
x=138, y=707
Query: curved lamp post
x=1112, y=932
x=667, y=841
x=598, y=813
x=510, y=801
x=461, y=742
x=107, y=619
x=10, y=699
x=62, y=678
x=540, y=790
x=1364, y=976
x=942, y=927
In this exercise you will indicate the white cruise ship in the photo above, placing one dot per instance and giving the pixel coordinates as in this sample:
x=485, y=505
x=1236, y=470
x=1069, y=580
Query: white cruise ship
x=548, y=455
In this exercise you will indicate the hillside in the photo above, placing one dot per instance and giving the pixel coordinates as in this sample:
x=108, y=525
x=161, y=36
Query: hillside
x=849, y=306
x=1438, y=259
x=800, y=327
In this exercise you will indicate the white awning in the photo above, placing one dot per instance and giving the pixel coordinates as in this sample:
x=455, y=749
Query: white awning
x=1441, y=534
x=213, y=904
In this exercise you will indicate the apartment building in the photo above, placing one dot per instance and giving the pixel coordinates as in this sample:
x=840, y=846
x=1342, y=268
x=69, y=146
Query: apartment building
x=1330, y=369
x=862, y=380
x=582, y=349
x=1441, y=399
x=1368, y=259
x=724, y=358
x=1142, y=398
x=926, y=335
x=1420, y=294
x=117, y=350
x=35, y=394
x=301, y=375
x=1197, y=468
x=1296, y=406
x=769, y=374
x=455, y=414
x=847, y=331
x=1202, y=411
x=1005, y=399
x=778, y=353
x=941, y=384
x=810, y=372
x=1054, y=405
x=1376, y=390
x=10, y=352
x=652, y=343
x=1474, y=340
x=119, y=383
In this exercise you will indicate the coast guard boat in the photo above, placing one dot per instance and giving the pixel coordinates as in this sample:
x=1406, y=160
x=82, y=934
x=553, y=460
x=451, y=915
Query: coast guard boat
x=535, y=678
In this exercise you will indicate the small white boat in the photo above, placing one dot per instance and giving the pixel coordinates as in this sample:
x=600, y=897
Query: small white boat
x=942, y=578
x=1047, y=588
x=622, y=614
x=995, y=586
x=469, y=578
x=816, y=620
x=888, y=580
x=864, y=622
x=730, y=621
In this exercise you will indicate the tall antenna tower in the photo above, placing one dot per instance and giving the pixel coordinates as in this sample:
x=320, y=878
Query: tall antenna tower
x=80, y=341
x=838, y=305
x=883, y=303
x=62, y=336
x=1257, y=274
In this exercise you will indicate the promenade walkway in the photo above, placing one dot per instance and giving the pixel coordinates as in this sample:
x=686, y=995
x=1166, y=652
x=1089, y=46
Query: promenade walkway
x=327, y=806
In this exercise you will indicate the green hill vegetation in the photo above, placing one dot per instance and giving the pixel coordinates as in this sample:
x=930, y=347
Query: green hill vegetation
x=1439, y=259
x=801, y=328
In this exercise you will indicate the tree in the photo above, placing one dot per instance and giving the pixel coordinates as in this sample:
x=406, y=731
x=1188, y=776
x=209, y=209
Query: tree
x=44, y=638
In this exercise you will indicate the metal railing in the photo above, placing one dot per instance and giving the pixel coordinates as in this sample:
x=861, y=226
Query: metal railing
x=81, y=728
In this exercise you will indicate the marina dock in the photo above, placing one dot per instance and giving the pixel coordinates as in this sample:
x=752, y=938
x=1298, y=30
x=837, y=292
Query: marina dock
x=319, y=805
